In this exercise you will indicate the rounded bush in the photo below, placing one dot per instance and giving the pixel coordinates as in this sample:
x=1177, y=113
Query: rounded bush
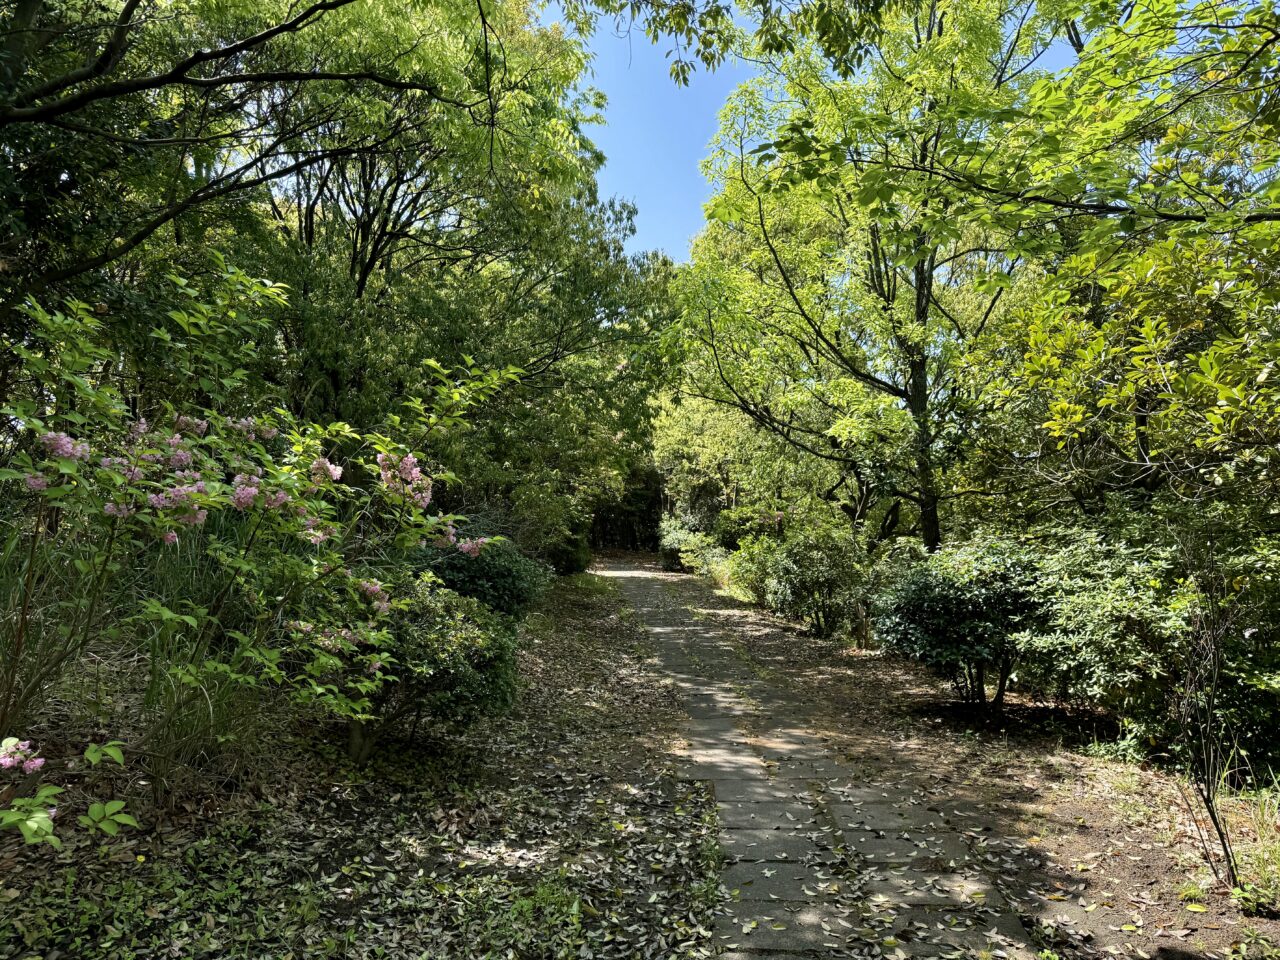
x=816, y=575
x=500, y=577
x=959, y=612
x=454, y=660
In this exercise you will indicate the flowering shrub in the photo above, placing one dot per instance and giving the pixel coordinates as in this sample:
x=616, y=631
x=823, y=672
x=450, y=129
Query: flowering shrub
x=271, y=513
x=15, y=753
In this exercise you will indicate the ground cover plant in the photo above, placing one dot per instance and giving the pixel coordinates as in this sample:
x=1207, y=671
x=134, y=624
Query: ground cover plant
x=556, y=828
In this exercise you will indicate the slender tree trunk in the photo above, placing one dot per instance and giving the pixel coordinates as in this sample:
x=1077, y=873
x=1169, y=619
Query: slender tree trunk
x=926, y=488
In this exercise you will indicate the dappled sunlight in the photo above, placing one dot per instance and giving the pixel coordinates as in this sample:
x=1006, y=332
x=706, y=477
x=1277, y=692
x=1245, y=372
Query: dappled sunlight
x=401, y=562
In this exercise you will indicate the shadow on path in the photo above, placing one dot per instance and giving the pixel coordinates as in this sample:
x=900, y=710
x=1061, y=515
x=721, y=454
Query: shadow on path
x=820, y=858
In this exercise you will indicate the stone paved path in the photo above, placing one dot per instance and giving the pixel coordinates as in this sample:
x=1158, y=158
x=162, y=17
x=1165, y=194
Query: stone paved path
x=816, y=864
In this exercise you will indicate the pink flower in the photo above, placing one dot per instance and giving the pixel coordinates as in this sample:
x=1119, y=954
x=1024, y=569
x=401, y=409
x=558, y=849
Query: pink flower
x=139, y=428
x=16, y=754
x=405, y=477
x=321, y=469
x=120, y=510
x=269, y=433
x=58, y=444
x=175, y=440
x=246, y=489
x=36, y=482
x=170, y=537
x=180, y=458
x=198, y=427
x=472, y=547
x=277, y=499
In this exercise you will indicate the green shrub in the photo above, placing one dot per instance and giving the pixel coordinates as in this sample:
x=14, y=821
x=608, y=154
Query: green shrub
x=1113, y=631
x=683, y=549
x=454, y=661
x=568, y=555
x=500, y=577
x=958, y=613
x=816, y=575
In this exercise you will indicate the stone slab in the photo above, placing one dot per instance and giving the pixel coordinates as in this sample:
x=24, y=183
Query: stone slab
x=740, y=790
x=814, y=769
x=766, y=815
x=785, y=881
x=779, y=846
x=894, y=888
x=809, y=929
x=907, y=848
x=886, y=817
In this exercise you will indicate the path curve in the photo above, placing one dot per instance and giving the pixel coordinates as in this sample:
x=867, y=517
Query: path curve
x=815, y=862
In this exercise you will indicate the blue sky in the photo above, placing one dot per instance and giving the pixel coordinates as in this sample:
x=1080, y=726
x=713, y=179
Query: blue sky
x=656, y=135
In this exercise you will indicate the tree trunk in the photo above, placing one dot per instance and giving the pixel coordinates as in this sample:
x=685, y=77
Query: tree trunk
x=360, y=741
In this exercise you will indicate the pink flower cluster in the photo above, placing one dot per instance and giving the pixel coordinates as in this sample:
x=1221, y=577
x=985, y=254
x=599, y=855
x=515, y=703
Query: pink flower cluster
x=472, y=547
x=328, y=638
x=61, y=445
x=244, y=491
x=377, y=593
x=18, y=753
x=252, y=429
x=402, y=475
x=179, y=498
x=132, y=472
x=322, y=470
x=315, y=532
x=198, y=427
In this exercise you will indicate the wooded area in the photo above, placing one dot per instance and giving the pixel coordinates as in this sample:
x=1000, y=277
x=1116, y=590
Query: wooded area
x=326, y=369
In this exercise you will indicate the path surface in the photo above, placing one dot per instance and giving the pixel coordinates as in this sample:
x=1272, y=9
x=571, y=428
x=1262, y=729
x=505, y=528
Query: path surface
x=817, y=864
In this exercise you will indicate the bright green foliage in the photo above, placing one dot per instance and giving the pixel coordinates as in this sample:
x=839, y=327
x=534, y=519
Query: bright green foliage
x=683, y=549
x=836, y=313
x=816, y=575
x=1111, y=631
x=106, y=818
x=943, y=291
